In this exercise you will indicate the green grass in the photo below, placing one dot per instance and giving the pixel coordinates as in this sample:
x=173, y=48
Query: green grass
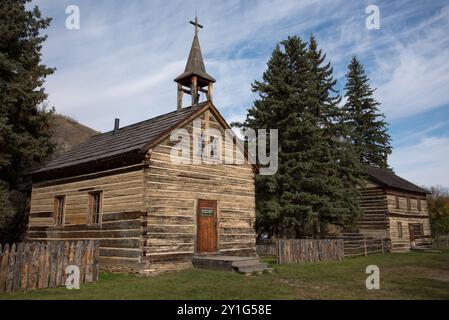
x=402, y=276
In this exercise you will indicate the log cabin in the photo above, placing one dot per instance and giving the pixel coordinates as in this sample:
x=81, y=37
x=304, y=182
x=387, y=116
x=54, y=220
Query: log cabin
x=150, y=213
x=395, y=209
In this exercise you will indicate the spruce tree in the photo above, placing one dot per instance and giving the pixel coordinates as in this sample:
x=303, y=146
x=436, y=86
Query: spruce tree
x=267, y=112
x=24, y=123
x=369, y=131
x=297, y=96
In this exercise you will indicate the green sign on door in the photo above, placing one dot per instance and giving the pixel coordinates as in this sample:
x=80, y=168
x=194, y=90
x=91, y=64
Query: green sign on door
x=207, y=212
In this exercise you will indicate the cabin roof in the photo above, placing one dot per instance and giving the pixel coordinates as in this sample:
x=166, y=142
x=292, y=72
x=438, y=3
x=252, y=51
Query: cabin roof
x=389, y=179
x=131, y=138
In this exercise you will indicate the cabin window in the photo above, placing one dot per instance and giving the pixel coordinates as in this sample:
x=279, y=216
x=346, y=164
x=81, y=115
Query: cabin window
x=396, y=202
x=95, y=207
x=200, y=144
x=214, y=148
x=399, y=229
x=59, y=209
x=409, y=205
x=419, y=204
x=418, y=229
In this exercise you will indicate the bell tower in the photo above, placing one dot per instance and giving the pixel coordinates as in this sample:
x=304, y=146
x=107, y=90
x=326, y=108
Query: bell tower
x=194, y=79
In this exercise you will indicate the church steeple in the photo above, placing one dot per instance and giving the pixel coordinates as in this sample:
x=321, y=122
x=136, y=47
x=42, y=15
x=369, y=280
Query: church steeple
x=194, y=77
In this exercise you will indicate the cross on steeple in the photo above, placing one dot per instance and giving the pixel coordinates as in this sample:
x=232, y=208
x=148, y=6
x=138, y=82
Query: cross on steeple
x=194, y=79
x=196, y=24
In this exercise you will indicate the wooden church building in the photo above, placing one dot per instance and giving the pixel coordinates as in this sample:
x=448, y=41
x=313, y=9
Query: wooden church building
x=395, y=209
x=150, y=213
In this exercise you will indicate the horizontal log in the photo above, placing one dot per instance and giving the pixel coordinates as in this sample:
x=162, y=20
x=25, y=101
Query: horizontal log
x=119, y=252
x=95, y=234
x=122, y=215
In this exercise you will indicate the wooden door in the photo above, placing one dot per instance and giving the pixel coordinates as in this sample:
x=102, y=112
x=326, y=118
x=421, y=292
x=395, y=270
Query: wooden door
x=206, y=226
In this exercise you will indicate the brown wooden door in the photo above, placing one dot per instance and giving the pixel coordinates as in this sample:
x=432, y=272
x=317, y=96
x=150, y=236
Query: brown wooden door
x=206, y=226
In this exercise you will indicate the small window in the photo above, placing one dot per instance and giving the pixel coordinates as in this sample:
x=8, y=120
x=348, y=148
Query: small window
x=59, y=210
x=409, y=205
x=418, y=229
x=419, y=204
x=396, y=202
x=95, y=207
x=200, y=144
x=214, y=148
x=400, y=229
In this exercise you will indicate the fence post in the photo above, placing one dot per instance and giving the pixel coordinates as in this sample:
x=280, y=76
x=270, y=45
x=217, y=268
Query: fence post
x=364, y=245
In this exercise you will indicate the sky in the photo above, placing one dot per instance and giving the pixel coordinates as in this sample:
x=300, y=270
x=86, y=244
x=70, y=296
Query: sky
x=122, y=60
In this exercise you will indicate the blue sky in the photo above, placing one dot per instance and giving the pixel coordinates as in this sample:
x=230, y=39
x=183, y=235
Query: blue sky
x=122, y=61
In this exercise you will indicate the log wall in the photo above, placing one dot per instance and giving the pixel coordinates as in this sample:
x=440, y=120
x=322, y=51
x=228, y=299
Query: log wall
x=373, y=203
x=172, y=191
x=407, y=216
x=122, y=221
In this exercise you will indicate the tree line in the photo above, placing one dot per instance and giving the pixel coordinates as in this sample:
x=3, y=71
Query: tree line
x=325, y=144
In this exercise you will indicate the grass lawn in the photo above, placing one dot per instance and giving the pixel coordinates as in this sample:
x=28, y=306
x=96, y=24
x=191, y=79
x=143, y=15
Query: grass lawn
x=402, y=276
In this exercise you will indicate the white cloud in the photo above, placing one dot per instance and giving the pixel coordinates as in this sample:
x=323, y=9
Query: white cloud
x=414, y=76
x=424, y=163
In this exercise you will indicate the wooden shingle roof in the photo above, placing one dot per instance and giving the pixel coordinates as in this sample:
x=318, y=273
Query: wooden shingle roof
x=388, y=178
x=130, y=139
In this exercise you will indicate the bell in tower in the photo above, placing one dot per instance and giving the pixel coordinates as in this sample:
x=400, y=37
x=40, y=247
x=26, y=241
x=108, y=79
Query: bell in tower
x=194, y=79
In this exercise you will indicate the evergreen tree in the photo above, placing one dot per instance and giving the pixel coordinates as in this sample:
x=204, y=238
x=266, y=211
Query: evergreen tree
x=369, y=131
x=24, y=123
x=267, y=113
x=297, y=96
x=342, y=164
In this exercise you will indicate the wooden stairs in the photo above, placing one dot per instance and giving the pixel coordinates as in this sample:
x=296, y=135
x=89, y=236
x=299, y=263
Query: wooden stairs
x=244, y=265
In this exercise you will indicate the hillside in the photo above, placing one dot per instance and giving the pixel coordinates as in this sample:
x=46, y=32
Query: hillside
x=69, y=133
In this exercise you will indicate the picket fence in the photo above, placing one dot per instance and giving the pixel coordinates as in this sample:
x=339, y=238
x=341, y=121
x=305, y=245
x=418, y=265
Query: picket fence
x=38, y=265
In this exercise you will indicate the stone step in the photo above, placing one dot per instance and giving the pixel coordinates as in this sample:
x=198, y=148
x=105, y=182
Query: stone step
x=229, y=263
x=257, y=268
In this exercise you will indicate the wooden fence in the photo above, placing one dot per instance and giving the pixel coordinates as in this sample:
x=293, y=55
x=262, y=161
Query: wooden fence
x=309, y=250
x=359, y=245
x=442, y=242
x=38, y=265
x=266, y=248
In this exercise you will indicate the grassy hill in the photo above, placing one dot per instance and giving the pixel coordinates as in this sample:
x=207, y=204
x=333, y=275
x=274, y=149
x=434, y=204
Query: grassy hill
x=69, y=133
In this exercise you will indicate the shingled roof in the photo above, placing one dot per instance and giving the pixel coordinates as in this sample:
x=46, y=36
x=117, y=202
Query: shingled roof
x=388, y=178
x=128, y=139
x=195, y=65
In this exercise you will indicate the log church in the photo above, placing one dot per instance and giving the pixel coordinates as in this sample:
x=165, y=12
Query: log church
x=149, y=213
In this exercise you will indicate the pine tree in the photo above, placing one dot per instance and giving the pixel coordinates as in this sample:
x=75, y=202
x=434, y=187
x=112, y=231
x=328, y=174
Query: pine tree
x=24, y=123
x=369, y=131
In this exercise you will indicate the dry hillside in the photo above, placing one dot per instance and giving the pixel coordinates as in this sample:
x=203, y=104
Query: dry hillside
x=69, y=133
